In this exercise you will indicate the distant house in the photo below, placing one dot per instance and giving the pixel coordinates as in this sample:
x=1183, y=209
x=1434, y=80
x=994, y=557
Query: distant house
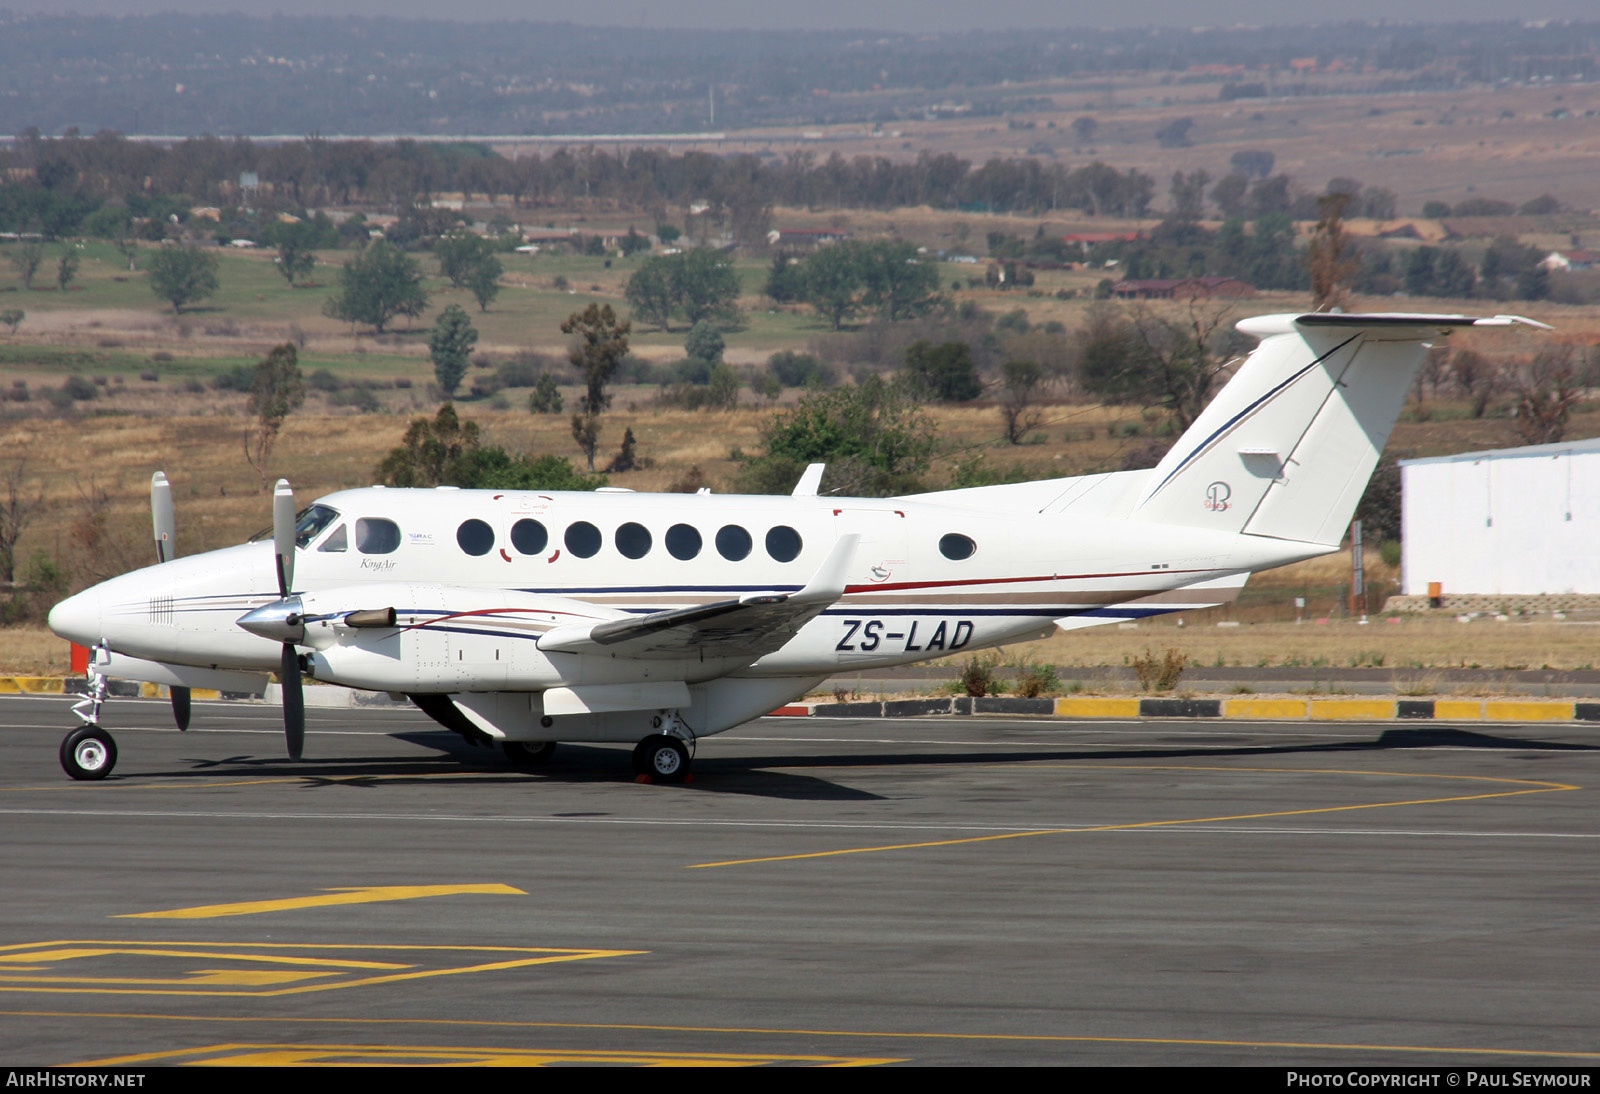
x=804, y=239
x=1567, y=261
x=1182, y=288
x=1085, y=240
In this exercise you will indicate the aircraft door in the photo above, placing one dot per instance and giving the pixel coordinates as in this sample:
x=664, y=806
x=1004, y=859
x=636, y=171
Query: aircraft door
x=864, y=617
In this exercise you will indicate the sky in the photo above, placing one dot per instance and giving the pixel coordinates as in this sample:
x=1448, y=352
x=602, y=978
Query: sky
x=933, y=15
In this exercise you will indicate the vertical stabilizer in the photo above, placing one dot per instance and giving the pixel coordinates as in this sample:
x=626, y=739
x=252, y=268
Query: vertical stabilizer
x=1287, y=448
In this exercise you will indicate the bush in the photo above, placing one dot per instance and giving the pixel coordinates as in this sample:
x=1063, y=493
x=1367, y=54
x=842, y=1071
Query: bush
x=1036, y=680
x=80, y=388
x=978, y=680
x=1159, y=673
x=323, y=380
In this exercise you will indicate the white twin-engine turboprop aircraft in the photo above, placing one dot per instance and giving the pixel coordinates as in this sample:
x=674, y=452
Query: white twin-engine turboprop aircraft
x=528, y=618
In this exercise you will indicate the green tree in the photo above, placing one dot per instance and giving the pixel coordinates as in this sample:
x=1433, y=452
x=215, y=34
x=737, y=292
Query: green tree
x=651, y=291
x=26, y=260
x=546, y=396
x=722, y=387
x=873, y=436
x=898, y=283
x=12, y=318
x=277, y=390
x=295, y=241
x=707, y=287
x=599, y=343
x=705, y=342
x=484, y=281
x=459, y=254
x=1020, y=386
x=430, y=451
x=183, y=275
x=377, y=285
x=450, y=345
x=945, y=372
x=490, y=467
x=835, y=283
x=66, y=268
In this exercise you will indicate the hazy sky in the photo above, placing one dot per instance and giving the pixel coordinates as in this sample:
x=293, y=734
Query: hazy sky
x=889, y=14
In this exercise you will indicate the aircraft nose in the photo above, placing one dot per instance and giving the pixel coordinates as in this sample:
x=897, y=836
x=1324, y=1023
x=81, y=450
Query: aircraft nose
x=78, y=618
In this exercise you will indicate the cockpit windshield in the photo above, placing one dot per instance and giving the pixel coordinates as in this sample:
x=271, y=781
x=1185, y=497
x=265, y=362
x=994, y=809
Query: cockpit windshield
x=308, y=524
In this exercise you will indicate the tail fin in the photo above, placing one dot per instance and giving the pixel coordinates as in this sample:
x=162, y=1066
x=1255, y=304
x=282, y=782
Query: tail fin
x=1287, y=448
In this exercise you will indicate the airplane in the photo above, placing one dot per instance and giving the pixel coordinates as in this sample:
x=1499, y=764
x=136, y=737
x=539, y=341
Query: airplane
x=525, y=618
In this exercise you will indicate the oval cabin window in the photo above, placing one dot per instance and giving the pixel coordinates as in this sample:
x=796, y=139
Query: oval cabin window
x=733, y=542
x=683, y=542
x=633, y=540
x=376, y=536
x=529, y=537
x=583, y=539
x=783, y=543
x=475, y=537
x=956, y=546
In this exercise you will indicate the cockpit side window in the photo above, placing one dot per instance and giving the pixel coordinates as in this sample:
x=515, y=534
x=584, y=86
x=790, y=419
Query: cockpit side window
x=310, y=523
x=377, y=536
x=338, y=540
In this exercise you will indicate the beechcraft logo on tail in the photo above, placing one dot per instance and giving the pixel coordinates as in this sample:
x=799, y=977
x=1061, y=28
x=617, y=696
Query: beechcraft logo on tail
x=1217, y=495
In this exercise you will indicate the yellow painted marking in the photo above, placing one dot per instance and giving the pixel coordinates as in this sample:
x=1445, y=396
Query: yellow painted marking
x=1264, y=708
x=1020, y=1038
x=1457, y=710
x=308, y=962
x=1537, y=787
x=1097, y=708
x=364, y=895
x=1352, y=710
x=283, y=1055
x=1499, y=711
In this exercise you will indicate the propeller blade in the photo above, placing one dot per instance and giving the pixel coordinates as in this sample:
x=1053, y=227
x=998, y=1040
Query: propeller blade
x=161, y=518
x=294, y=702
x=180, y=706
x=283, y=534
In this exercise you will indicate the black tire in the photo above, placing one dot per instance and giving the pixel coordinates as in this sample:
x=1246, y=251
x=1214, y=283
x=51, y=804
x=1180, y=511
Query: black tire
x=663, y=758
x=528, y=753
x=88, y=753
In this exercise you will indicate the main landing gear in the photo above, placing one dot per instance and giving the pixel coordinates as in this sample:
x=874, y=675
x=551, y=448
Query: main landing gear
x=88, y=752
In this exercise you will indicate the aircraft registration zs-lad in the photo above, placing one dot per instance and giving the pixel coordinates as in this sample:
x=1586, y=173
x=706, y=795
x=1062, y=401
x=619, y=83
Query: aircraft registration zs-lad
x=528, y=618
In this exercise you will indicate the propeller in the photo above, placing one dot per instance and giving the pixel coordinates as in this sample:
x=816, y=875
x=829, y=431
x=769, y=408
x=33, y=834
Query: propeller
x=294, y=701
x=165, y=527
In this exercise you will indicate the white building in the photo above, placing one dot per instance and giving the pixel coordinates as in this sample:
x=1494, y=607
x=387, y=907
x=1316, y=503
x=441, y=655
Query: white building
x=1511, y=521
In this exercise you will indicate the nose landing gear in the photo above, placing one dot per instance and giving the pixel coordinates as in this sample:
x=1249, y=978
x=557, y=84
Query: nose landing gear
x=88, y=752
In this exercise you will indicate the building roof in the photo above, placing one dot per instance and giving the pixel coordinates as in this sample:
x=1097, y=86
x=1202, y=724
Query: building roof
x=1583, y=447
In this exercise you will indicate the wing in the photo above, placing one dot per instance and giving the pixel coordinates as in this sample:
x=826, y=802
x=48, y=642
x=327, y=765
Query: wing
x=749, y=627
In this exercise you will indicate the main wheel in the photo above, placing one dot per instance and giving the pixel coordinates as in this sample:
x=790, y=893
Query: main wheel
x=88, y=753
x=528, y=753
x=663, y=758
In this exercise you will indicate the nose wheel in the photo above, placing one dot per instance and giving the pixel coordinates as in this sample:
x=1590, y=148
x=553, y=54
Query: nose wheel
x=88, y=752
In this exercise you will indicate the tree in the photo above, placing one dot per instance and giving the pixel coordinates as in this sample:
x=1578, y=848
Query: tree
x=429, y=452
x=707, y=287
x=705, y=342
x=459, y=254
x=599, y=343
x=945, y=372
x=277, y=390
x=12, y=318
x=873, y=436
x=1084, y=128
x=183, y=275
x=484, y=282
x=545, y=397
x=1175, y=134
x=651, y=291
x=1021, y=381
x=1229, y=193
x=835, y=283
x=1546, y=390
x=1189, y=195
x=26, y=260
x=898, y=283
x=377, y=285
x=296, y=259
x=450, y=345
x=1253, y=162
x=1150, y=359
x=1328, y=257
x=17, y=511
x=66, y=269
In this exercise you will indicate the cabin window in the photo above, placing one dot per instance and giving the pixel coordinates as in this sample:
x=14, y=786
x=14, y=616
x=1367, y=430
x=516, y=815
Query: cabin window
x=733, y=542
x=633, y=540
x=338, y=540
x=956, y=546
x=583, y=539
x=683, y=541
x=783, y=543
x=475, y=537
x=308, y=525
x=529, y=537
x=376, y=536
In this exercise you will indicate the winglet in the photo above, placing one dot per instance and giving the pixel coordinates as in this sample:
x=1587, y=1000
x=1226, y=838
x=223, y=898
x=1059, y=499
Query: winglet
x=810, y=482
x=828, y=583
